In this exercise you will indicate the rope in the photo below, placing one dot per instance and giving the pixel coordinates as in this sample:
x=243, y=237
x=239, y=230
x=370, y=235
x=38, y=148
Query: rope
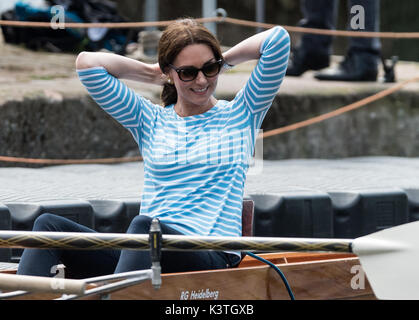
x=70, y=161
x=110, y=25
x=343, y=33
x=247, y=23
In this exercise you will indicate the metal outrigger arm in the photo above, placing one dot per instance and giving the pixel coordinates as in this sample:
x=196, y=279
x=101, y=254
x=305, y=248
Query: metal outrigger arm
x=125, y=279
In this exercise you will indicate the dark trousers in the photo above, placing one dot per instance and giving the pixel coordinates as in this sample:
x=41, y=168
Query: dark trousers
x=81, y=264
x=323, y=14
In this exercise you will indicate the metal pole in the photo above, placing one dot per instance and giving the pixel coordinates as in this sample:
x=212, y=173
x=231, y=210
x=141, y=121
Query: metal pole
x=151, y=12
x=149, y=37
x=260, y=12
x=208, y=10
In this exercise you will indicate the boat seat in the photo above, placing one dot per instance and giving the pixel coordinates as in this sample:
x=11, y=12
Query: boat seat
x=247, y=220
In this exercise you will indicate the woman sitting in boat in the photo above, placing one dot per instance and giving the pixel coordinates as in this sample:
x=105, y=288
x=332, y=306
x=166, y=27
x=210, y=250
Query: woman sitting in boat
x=196, y=149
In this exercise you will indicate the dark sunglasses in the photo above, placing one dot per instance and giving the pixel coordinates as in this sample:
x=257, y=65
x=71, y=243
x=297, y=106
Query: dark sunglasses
x=190, y=73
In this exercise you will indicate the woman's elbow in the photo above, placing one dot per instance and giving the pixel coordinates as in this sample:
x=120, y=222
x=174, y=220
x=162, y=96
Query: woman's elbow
x=84, y=60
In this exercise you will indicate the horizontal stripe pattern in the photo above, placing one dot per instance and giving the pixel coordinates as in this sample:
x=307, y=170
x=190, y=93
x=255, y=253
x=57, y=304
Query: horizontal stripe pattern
x=195, y=167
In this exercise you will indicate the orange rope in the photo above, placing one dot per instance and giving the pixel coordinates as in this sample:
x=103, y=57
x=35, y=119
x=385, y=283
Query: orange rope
x=339, y=111
x=343, y=33
x=111, y=25
x=70, y=161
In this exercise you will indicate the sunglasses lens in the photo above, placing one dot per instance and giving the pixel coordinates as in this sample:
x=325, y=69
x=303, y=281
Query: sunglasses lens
x=188, y=74
x=212, y=69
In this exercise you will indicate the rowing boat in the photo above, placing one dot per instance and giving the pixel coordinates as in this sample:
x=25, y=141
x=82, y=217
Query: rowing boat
x=388, y=259
x=311, y=276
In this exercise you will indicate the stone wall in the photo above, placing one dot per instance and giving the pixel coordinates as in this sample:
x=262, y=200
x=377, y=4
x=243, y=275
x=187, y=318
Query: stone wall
x=386, y=127
x=71, y=129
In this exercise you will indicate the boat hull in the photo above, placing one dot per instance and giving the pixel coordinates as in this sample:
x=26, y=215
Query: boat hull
x=309, y=280
x=312, y=276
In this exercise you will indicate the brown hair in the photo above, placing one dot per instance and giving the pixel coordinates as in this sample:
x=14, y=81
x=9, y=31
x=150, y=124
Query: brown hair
x=175, y=37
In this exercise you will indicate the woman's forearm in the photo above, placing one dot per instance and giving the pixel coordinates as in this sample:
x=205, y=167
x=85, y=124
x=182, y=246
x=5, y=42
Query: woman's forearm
x=121, y=67
x=248, y=49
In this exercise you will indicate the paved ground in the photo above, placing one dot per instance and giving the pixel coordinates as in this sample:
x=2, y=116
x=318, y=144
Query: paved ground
x=94, y=182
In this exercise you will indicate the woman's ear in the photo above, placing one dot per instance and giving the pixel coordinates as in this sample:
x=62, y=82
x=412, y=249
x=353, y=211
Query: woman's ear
x=169, y=74
x=166, y=72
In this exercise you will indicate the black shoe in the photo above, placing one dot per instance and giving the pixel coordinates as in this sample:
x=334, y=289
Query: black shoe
x=357, y=66
x=302, y=61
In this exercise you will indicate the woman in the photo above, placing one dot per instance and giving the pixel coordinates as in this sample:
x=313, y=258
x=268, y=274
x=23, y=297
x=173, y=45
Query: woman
x=196, y=148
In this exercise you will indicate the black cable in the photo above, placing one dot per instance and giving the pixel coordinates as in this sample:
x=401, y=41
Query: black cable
x=284, y=279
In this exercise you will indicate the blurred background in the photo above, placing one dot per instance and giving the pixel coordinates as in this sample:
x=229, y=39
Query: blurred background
x=396, y=16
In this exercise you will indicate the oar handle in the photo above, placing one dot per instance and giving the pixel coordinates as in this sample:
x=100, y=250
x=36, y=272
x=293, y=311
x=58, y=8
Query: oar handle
x=14, y=282
x=96, y=241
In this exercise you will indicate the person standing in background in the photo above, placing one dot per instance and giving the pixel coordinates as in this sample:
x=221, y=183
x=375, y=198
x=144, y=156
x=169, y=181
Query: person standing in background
x=313, y=52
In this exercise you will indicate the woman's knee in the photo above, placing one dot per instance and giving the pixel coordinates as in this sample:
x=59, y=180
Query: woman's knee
x=140, y=224
x=51, y=222
x=44, y=222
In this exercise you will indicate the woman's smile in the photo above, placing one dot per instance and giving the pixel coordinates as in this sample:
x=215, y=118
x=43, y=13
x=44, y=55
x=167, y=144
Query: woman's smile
x=200, y=91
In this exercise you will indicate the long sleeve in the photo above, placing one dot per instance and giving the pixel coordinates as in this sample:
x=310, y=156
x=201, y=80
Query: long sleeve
x=263, y=84
x=266, y=78
x=122, y=103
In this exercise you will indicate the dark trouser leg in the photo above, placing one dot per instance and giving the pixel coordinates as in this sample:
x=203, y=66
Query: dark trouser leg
x=362, y=58
x=322, y=14
x=318, y=14
x=171, y=261
x=79, y=263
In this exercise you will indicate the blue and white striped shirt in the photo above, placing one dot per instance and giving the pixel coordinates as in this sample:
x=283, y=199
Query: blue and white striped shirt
x=195, y=167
